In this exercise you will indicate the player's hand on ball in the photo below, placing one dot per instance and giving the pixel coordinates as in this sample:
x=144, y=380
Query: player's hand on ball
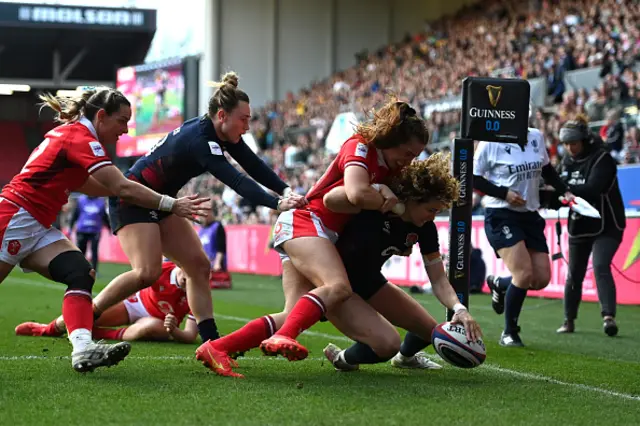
x=170, y=323
x=390, y=199
x=470, y=325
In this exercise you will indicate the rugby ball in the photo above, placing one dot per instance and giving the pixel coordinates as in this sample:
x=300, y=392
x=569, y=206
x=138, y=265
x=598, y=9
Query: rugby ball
x=450, y=342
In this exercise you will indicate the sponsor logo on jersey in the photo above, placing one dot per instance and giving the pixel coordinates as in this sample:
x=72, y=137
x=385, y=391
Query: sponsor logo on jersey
x=97, y=149
x=362, y=150
x=215, y=148
x=412, y=238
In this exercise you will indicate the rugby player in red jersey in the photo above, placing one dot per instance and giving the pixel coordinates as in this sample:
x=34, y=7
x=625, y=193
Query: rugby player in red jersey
x=154, y=313
x=389, y=141
x=374, y=310
x=72, y=158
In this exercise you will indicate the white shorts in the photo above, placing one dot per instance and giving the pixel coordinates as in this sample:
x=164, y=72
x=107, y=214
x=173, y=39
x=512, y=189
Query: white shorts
x=135, y=308
x=21, y=234
x=299, y=223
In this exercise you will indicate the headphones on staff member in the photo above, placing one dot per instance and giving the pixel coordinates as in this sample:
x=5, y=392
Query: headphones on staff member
x=576, y=130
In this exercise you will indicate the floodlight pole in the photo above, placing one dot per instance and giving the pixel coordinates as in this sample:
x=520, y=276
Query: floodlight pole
x=460, y=222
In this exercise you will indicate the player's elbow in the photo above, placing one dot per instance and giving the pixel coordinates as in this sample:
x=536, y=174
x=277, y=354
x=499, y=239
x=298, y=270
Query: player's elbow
x=357, y=195
x=190, y=338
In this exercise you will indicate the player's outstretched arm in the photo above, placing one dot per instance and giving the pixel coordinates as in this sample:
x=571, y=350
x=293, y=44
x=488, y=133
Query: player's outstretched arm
x=256, y=168
x=93, y=188
x=444, y=292
x=132, y=192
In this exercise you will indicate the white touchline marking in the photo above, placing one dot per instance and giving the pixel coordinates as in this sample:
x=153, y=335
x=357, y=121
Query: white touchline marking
x=144, y=358
x=495, y=368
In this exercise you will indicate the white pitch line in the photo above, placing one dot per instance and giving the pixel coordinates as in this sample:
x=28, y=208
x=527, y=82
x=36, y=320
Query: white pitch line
x=495, y=368
x=143, y=358
x=538, y=377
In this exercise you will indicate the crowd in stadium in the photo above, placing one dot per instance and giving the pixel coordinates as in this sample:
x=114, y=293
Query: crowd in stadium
x=507, y=39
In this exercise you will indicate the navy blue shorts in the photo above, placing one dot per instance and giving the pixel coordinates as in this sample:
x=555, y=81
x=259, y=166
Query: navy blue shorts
x=506, y=228
x=365, y=282
x=122, y=214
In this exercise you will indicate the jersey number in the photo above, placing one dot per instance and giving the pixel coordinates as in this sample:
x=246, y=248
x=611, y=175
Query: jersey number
x=161, y=141
x=157, y=145
x=35, y=154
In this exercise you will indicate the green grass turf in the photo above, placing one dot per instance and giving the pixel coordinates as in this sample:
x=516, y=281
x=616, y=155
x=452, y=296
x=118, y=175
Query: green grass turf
x=145, y=114
x=580, y=379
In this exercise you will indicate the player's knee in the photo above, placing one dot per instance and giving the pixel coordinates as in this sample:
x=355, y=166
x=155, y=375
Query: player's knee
x=341, y=291
x=523, y=278
x=73, y=269
x=198, y=268
x=147, y=275
x=541, y=280
x=387, y=345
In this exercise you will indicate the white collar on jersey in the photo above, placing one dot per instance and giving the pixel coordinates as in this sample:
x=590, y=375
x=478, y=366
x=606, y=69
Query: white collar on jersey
x=173, y=278
x=89, y=125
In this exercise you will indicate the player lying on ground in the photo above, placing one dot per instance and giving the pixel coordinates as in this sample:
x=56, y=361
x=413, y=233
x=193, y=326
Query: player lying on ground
x=72, y=158
x=154, y=313
x=370, y=314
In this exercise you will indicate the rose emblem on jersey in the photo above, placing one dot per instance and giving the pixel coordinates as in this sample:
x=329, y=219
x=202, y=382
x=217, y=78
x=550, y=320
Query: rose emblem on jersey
x=13, y=247
x=278, y=228
x=412, y=238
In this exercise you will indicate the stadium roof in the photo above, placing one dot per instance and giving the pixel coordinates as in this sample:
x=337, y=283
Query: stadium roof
x=63, y=47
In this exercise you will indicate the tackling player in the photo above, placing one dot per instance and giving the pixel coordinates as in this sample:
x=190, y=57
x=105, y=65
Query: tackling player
x=154, y=313
x=196, y=147
x=369, y=315
x=388, y=142
x=72, y=158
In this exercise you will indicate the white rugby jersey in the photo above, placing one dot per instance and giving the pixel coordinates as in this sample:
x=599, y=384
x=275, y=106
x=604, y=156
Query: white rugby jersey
x=509, y=166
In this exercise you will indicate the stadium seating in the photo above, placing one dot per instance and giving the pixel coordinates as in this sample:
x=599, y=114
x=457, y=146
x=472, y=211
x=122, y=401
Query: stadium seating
x=502, y=38
x=14, y=150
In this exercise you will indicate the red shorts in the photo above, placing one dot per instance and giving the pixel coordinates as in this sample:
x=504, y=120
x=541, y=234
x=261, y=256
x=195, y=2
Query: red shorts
x=300, y=223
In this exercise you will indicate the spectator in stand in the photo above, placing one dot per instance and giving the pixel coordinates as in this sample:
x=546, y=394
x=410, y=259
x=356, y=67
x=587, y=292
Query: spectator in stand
x=612, y=133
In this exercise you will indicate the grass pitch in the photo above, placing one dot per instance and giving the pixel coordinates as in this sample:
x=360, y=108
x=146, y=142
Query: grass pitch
x=582, y=379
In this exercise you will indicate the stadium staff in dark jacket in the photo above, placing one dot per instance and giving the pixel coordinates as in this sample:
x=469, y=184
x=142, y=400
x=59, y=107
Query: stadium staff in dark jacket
x=591, y=173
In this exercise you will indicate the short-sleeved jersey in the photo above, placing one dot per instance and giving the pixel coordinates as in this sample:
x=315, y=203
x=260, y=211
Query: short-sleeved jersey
x=165, y=296
x=59, y=165
x=507, y=165
x=371, y=238
x=354, y=152
x=195, y=148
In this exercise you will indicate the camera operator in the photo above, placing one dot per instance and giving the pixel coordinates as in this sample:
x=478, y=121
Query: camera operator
x=591, y=173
